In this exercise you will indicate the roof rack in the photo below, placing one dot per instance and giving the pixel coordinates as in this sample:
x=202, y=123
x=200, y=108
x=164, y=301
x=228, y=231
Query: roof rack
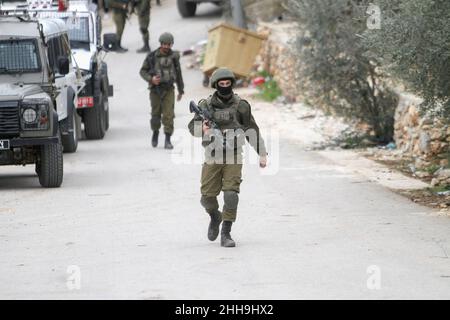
x=14, y=8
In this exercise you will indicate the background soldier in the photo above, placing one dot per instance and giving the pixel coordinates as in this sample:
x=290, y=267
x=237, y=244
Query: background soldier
x=161, y=69
x=229, y=112
x=119, y=10
x=143, y=12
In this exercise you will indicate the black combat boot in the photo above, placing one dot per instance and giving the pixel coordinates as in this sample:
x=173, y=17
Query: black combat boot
x=121, y=49
x=144, y=49
x=225, y=237
x=155, y=138
x=213, y=228
x=168, y=144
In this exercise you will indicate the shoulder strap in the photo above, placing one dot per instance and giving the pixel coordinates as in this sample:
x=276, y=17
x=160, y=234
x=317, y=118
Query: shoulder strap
x=236, y=102
x=175, y=55
x=151, y=58
x=209, y=102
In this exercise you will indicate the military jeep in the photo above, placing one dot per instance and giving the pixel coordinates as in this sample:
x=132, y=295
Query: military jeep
x=32, y=58
x=84, y=29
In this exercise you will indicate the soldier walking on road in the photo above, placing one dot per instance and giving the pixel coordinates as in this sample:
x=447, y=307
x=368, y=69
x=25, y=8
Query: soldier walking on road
x=143, y=12
x=119, y=10
x=222, y=170
x=162, y=69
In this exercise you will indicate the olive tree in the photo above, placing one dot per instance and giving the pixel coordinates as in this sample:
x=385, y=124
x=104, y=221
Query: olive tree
x=334, y=64
x=414, y=46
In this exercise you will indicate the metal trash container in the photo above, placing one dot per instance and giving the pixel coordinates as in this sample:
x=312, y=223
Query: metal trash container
x=233, y=48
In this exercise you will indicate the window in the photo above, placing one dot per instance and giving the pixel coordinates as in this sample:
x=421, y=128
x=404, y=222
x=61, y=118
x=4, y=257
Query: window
x=56, y=49
x=78, y=29
x=19, y=56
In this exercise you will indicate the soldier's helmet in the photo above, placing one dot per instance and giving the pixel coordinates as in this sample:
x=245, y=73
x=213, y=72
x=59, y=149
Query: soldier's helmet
x=222, y=74
x=166, y=37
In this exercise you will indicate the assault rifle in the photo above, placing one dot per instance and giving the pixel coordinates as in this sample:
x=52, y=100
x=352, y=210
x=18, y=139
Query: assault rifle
x=206, y=117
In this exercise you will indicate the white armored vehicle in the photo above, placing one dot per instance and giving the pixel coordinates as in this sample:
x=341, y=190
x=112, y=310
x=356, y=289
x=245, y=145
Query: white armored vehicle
x=84, y=29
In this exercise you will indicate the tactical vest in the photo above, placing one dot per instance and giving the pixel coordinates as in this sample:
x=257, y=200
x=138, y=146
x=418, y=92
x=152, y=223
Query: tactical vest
x=226, y=118
x=165, y=66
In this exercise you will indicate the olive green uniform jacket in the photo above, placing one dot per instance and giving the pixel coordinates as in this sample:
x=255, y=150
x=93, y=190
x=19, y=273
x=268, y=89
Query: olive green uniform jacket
x=244, y=118
x=162, y=97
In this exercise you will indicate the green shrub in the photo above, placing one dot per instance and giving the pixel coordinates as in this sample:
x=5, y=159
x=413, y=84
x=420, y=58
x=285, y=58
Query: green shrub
x=269, y=91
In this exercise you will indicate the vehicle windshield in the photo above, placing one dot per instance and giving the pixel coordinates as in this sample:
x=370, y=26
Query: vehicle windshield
x=19, y=56
x=78, y=30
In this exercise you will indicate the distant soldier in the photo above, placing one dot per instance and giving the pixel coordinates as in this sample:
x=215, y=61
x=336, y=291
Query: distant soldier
x=222, y=170
x=119, y=10
x=143, y=12
x=162, y=69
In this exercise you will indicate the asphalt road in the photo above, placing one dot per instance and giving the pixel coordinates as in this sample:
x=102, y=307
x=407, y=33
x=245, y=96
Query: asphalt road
x=127, y=222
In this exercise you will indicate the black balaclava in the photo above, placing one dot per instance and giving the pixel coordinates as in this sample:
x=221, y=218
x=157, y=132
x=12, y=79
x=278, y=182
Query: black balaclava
x=225, y=93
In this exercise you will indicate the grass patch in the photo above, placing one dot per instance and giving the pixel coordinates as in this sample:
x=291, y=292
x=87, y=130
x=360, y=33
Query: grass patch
x=432, y=169
x=269, y=91
x=439, y=189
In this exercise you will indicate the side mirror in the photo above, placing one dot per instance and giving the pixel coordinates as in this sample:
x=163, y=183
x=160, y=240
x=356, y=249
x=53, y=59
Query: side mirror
x=63, y=65
x=110, y=41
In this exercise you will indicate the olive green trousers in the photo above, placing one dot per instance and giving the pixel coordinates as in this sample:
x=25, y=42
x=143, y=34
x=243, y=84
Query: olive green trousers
x=143, y=13
x=163, y=109
x=221, y=177
x=119, y=17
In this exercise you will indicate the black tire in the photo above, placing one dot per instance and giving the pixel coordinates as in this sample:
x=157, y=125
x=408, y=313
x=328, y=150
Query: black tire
x=186, y=8
x=50, y=165
x=105, y=83
x=107, y=117
x=70, y=141
x=94, y=120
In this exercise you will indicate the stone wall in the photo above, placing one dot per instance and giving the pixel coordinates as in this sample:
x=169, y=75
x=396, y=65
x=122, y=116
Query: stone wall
x=425, y=139
x=277, y=57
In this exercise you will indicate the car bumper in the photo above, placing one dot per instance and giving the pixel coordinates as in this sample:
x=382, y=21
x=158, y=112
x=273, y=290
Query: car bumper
x=23, y=142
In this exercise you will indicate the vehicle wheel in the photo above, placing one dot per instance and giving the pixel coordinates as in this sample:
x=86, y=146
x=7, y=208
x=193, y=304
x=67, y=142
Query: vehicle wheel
x=94, y=120
x=50, y=165
x=105, y=87
x=106, y=104
x=37, y=168
x=70, y=141
x=186, y=8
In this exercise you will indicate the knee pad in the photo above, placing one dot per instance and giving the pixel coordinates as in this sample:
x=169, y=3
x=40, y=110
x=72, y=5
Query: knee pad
x=231, y=200
x=209, y=203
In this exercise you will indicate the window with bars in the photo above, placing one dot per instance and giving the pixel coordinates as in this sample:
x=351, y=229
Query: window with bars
x=19, y=56
x=78, y=28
